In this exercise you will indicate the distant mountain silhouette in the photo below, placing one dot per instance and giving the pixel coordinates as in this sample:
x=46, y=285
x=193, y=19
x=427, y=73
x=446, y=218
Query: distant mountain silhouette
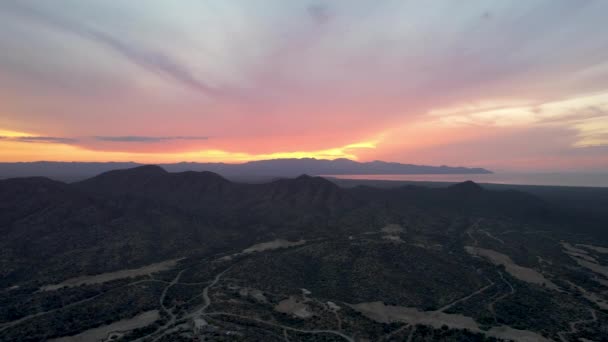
x=71, y=171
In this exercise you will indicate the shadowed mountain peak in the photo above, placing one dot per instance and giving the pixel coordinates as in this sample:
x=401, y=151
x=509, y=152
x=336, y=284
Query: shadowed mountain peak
x=145, y=170
x=206, y=176
x=307, y=190
x=153, y=181
x=139, y=171
x=124, y=181
x=467, y=187
x=303, y=176
x=305, y=180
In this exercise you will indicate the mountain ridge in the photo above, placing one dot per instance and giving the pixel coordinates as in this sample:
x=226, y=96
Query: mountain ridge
x=406, y=246
x=75, y=171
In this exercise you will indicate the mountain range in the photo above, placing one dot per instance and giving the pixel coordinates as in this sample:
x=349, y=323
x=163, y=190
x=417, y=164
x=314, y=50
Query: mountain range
x=70, y=252
x=147, y=213
x=72, y=171
x=158, y=213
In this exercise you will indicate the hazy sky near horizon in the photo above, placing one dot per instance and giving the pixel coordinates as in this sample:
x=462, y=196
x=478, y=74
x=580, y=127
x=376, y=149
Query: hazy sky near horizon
x=507, y=85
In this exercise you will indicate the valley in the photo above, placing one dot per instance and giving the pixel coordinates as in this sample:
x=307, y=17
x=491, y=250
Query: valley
x=295, y=260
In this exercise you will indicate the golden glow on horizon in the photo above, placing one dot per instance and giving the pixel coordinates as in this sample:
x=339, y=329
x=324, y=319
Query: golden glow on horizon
x=13, y=134
x=22, y=151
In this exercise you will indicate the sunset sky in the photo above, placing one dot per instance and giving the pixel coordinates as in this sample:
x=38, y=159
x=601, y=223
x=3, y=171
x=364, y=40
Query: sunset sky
x=506, y=85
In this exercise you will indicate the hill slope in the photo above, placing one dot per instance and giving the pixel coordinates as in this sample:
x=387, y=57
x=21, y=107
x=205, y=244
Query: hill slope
x=301, y=254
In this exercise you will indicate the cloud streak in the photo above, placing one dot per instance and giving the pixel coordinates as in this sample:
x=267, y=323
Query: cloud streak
x=116, y=139
x=38, y=139
x=149, y=59
x=586, y=114
x=320, y=13
x=145, y=139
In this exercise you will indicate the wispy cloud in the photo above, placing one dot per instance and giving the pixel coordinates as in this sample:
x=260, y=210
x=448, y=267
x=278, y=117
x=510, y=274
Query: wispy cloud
x=145, y=139
x=38, y=139
x=124, y=139
x=146, y=58
x=320, y=13
x=586, y=114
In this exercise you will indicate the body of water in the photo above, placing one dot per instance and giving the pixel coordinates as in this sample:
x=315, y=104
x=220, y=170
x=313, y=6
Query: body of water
x=559, y=179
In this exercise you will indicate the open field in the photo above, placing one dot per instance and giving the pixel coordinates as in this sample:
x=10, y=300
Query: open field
x=105, y=277
x=116, y=328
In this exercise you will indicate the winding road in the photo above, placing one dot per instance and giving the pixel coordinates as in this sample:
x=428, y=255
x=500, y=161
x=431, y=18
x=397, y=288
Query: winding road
x=445, y=307
x=501, y=297
x=165, y=309
x=205, y=294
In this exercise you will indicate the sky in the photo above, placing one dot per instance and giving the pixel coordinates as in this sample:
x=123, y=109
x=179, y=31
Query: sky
x=506, y=85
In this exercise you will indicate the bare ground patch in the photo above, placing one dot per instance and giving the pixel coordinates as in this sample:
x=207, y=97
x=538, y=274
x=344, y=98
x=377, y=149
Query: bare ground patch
x=379, y=312
x=293, y=306
x=101, y=333
x=520, y=272
x=598, y=249
x=275, y=244
x=584, y=260
x=392, y=229
x=105, y=277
